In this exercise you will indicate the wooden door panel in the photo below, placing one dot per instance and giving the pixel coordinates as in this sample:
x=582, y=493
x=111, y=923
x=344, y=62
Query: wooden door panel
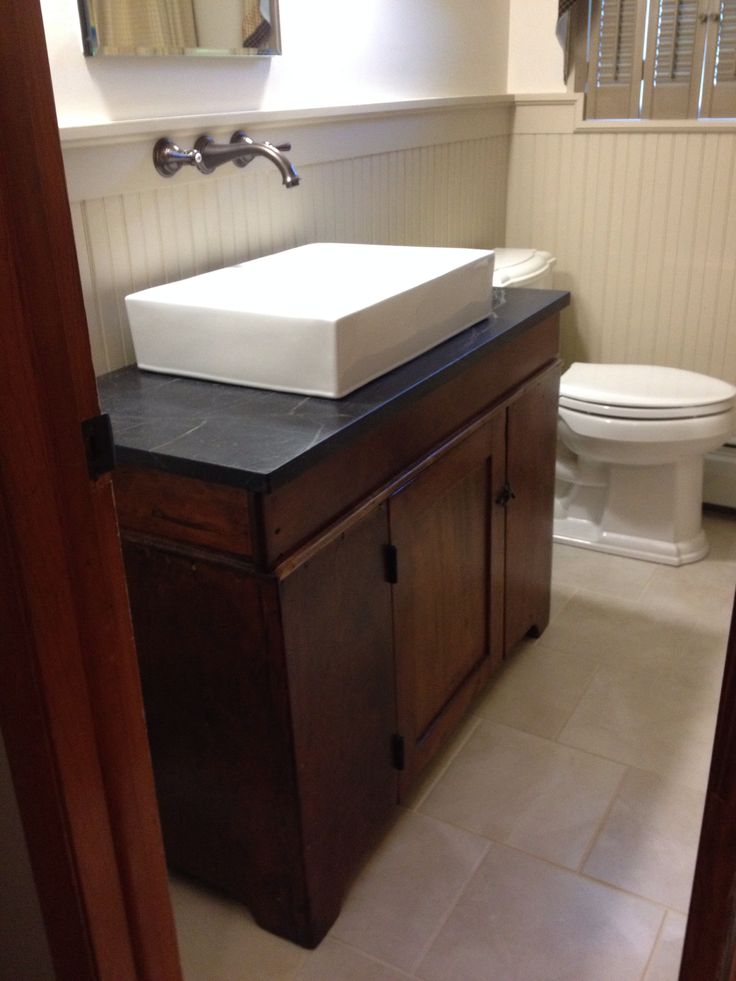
x=710, y=941
x=71, y=709
x=449, y=536
x=440, y=600
x=531, y=447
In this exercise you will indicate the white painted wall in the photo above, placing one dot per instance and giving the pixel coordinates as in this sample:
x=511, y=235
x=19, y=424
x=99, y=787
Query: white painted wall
x=535, y=60
x=336, y=53
x=643, y=225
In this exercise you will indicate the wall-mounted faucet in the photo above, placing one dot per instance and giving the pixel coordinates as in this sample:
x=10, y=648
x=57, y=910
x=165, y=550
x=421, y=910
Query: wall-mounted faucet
x=207, y=156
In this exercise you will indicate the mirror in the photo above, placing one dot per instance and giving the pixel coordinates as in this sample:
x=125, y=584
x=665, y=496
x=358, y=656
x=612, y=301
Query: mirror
x=211, y=28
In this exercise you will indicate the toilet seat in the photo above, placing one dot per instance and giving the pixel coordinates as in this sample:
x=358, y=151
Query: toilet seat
x=643, y=412
x=643, y=392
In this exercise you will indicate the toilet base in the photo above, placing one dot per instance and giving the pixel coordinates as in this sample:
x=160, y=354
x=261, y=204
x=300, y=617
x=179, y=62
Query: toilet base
x=652, y=513
x=584, y=534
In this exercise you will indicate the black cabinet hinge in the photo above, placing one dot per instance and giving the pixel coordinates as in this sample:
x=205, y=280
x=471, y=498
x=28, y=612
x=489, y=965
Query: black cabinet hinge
x=397, y=751
x=99, y=445
x=391, y=563
x=505, y=495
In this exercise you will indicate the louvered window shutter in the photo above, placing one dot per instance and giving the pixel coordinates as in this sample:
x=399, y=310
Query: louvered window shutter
x=674, y=63
x=719, y=82
x=616, y=53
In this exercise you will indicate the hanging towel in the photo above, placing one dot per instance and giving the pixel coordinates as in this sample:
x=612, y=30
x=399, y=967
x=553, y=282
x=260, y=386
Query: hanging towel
x=256, y=28
x=563, y=33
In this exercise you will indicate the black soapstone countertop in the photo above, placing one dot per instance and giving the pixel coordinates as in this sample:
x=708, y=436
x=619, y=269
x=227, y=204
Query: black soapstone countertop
x=257, y=438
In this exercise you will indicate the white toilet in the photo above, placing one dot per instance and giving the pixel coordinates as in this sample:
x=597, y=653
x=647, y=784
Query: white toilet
x=523, y=267
x=631, y=443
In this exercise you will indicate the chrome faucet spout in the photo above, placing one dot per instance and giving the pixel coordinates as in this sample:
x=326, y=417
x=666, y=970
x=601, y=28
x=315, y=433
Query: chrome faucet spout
x=241, y=150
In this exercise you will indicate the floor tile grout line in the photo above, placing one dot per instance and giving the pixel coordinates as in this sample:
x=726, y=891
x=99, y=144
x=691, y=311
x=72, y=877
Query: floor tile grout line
x=370, y=957
x=629, y=892
x=578, y=869
x=574, y=709
x=602, y=822
x=653, y=951
x=451, y=909
x=556, y=742
x=584, y=876
x=573, y=594
x=448, y=763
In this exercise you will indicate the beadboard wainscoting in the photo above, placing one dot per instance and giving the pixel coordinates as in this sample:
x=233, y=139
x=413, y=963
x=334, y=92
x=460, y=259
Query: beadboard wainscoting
x=449, y=189
x=643, y=224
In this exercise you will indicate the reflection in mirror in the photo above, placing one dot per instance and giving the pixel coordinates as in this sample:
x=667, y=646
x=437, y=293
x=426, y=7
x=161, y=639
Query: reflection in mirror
x=175, y=27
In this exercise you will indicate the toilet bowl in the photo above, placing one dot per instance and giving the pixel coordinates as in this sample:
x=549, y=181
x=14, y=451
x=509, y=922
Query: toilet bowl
x=631, y=444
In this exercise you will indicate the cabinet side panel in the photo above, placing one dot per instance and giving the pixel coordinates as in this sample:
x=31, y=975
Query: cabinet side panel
x=532, y=440
x=219, y=740
x=337, y=631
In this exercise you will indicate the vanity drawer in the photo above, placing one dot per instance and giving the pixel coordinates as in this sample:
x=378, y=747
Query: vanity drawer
x=184, y=509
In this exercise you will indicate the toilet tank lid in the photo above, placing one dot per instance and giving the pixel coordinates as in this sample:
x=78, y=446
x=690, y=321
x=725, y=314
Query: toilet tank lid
x=652, y=386
x=518, y=265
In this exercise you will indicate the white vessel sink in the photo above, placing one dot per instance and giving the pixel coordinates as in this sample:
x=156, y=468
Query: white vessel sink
x=320, y=319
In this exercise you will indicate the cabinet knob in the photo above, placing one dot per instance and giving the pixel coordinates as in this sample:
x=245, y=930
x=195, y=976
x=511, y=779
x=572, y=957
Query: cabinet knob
x=505, y=495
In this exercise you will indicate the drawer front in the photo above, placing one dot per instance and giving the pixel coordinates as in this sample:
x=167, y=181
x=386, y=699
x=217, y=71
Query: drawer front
x=184, y=509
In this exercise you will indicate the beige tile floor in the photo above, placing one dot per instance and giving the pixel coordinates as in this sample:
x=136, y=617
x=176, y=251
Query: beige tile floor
x=556, y=837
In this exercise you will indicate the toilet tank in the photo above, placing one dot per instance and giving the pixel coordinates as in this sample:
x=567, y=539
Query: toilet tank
x=523, y=267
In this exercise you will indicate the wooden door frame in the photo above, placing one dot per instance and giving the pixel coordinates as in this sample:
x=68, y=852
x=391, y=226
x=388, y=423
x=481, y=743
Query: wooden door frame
x=710, y=940
x=70, y=705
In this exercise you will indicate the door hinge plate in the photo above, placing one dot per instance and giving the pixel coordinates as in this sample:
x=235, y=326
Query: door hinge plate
x=391, y=563
x=397, y=751
x=99, y=445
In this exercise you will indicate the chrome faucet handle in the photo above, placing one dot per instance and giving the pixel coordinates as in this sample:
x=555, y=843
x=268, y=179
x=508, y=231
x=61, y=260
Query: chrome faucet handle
x=168, y=158
x=200, y=146
x=240, y=136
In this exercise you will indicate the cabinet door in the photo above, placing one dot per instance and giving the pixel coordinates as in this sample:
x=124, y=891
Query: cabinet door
x=448, y=597
x=336, y=615
x=532, y=437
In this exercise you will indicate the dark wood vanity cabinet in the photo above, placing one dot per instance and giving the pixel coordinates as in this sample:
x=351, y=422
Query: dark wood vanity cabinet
x=305, y=650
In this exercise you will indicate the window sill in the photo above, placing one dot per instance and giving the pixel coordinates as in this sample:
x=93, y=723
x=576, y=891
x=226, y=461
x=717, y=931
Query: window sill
x=583, y=125
x=563, y=114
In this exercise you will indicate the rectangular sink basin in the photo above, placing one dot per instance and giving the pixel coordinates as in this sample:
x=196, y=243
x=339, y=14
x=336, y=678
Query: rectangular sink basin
x=321, y=319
